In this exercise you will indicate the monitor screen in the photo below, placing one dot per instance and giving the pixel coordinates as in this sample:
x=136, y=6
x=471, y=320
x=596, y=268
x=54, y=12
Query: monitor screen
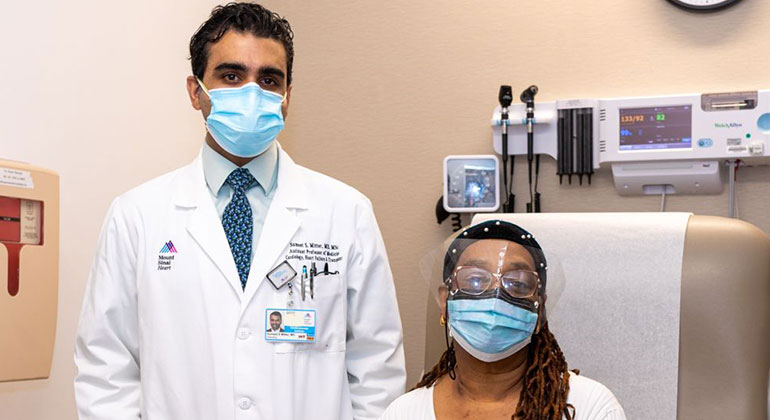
x=660, y=127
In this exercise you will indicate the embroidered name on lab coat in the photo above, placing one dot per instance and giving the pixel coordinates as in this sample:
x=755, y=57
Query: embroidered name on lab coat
x=315, y=252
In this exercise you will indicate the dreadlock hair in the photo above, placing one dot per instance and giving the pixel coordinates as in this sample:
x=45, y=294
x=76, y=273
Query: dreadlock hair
x=546, y=380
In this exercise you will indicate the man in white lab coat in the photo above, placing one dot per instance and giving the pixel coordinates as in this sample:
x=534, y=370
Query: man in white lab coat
x=190, y=265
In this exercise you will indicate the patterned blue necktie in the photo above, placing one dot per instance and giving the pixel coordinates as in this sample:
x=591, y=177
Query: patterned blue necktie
x=238, y=221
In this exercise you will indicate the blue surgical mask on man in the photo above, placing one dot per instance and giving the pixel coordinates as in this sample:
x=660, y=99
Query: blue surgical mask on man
x=245, y=120
x=490, y=329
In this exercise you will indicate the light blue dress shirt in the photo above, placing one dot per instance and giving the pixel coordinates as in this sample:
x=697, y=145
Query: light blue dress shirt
x=264, y=168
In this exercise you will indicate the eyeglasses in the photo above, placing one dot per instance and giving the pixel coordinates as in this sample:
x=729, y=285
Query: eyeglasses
x=475, y=281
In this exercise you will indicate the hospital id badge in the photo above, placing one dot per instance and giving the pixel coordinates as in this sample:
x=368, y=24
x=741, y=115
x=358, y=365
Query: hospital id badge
x=292, y=325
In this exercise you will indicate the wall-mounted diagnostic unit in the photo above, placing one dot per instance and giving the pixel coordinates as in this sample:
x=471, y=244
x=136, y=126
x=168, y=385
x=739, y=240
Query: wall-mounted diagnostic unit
x=566, y=130
x=655, y=145
x=679, y=141
x=29, y=269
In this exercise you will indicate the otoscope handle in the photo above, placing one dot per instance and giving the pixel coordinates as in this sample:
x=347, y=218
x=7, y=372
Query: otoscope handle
x=530, y=129
x=504, y=133
x=530, y=146
x=528, y=97
x=505, y=97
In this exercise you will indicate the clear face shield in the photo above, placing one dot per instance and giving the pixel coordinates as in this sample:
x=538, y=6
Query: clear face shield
x=491, y=287
x=482, y=268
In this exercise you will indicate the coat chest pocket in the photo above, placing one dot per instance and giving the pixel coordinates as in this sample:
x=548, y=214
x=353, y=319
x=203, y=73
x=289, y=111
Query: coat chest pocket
x=331, y=321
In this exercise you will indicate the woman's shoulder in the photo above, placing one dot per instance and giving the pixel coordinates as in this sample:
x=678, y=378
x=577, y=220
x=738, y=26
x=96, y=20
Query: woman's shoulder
x=415, y=404
x=592, y=400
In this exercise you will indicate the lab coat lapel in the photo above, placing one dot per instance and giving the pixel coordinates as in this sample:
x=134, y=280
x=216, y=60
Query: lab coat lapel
x=281, y=223
x=204, y=224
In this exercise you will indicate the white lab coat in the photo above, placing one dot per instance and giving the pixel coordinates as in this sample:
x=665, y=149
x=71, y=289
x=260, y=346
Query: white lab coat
x=178, y=339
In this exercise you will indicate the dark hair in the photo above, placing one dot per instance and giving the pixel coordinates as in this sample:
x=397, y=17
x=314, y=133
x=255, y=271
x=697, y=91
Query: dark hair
x=242, y=17
x=276, y=313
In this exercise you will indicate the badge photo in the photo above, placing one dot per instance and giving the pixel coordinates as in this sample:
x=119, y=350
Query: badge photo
x=292, y=325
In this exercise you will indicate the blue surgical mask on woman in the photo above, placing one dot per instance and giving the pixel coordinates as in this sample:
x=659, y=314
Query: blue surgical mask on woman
x=244, y=120
x=490, y=329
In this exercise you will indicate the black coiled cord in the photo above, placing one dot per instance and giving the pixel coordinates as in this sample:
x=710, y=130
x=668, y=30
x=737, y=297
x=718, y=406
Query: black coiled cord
x=457, y=224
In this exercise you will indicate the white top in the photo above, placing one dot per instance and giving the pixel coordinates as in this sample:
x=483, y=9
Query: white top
x=592, y=401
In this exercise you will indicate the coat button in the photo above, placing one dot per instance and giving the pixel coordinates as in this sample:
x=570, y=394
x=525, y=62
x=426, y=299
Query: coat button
x=244, y=403
x=244, y=333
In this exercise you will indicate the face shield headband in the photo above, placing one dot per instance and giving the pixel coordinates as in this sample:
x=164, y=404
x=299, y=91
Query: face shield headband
x=496, y=229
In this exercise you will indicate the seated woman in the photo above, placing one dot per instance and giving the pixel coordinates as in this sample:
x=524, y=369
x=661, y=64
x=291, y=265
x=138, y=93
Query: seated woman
x=502, y=362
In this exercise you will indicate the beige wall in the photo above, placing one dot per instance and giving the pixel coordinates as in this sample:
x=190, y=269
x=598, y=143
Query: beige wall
x=383, y=91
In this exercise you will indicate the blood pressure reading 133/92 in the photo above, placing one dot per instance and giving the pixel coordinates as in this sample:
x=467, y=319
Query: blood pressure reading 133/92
x=662, y=127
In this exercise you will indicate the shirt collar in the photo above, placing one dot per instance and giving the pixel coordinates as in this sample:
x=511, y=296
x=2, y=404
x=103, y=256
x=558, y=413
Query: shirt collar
x=216, y=168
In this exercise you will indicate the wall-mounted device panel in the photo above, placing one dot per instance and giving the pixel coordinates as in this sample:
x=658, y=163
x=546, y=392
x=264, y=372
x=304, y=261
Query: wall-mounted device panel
x=672, y=144
x=29, y=269
x=471, y=183
x=560, y=130
x=687, y=127
x=667, y=177
x=545, y=122
x=577, y=134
